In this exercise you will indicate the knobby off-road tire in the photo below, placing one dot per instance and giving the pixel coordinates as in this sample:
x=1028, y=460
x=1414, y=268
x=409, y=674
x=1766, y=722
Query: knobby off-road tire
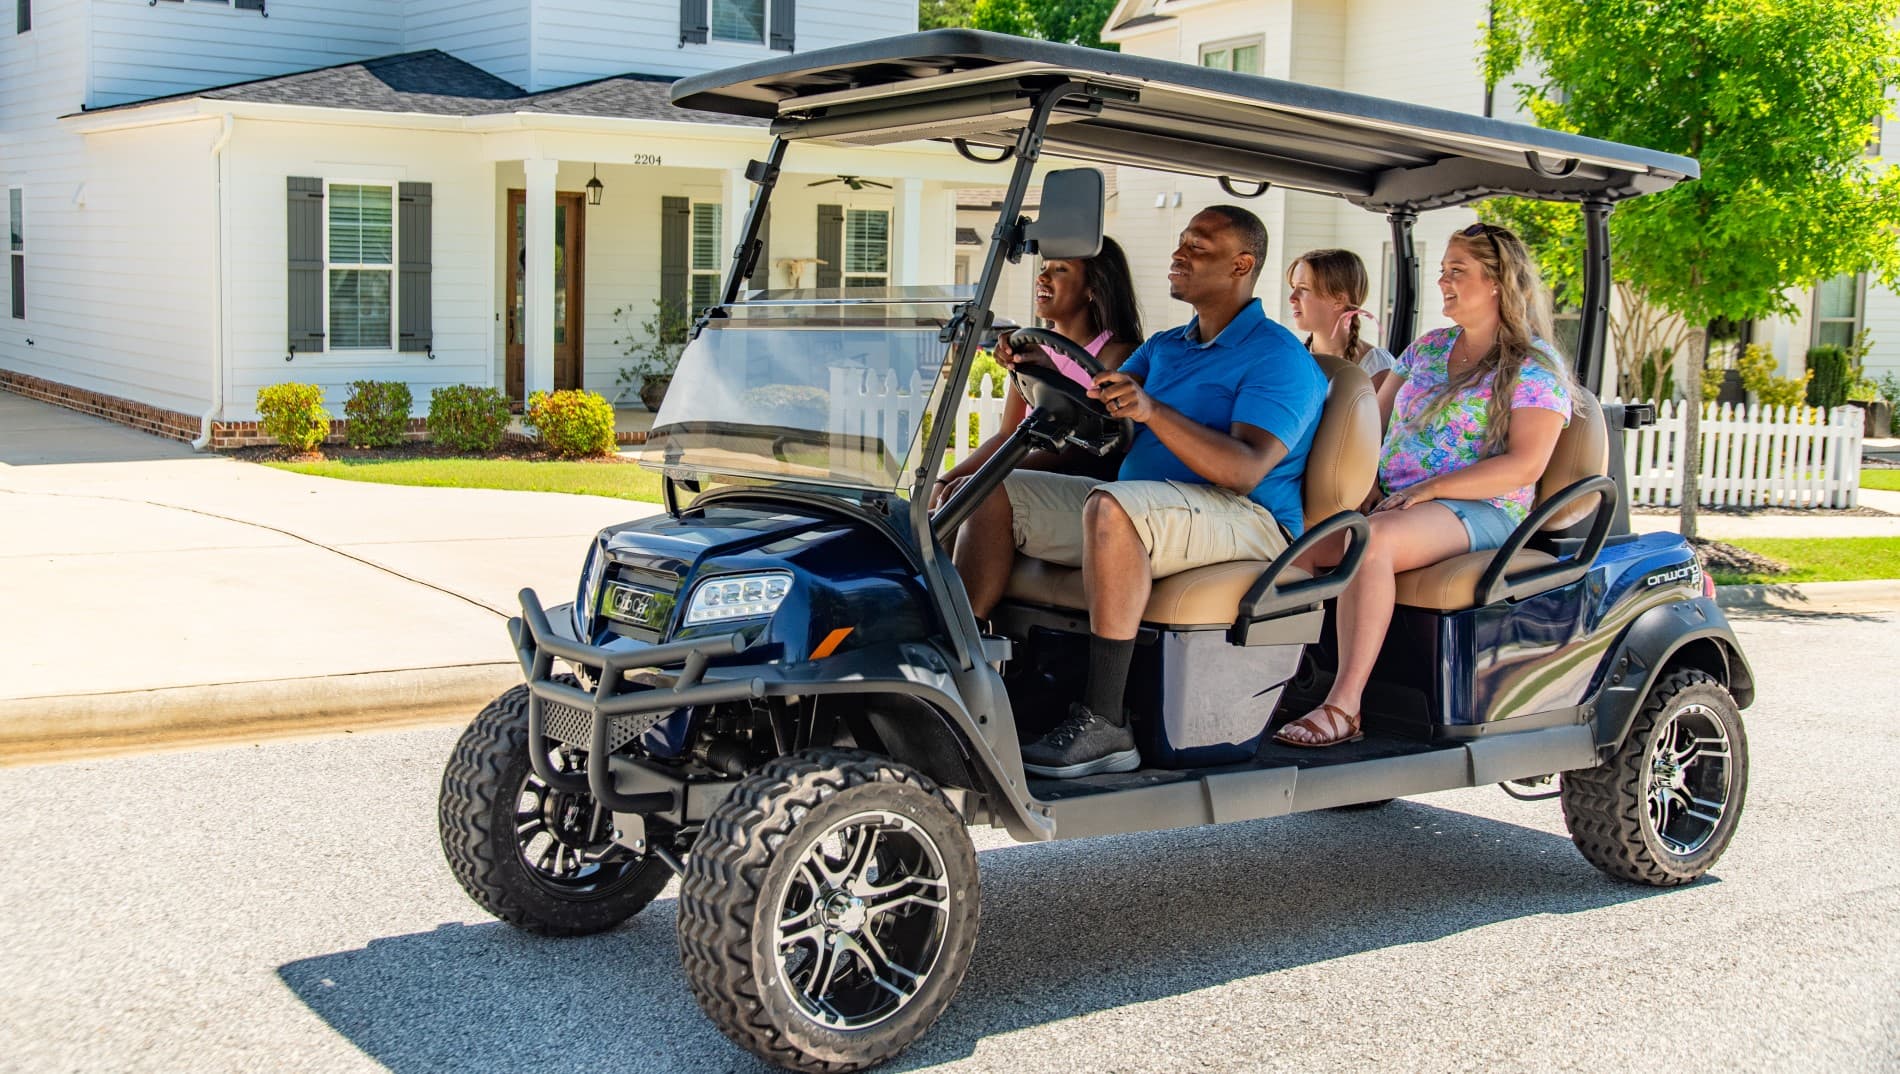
x=1612, y=810
x=493, y=809
x=763, y=874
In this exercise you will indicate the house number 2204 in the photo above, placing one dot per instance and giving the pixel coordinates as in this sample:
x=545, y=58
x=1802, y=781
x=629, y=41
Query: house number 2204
x=646, y=158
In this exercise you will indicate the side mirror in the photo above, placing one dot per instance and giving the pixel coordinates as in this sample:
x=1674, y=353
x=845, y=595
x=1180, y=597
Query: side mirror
x=1070, y=225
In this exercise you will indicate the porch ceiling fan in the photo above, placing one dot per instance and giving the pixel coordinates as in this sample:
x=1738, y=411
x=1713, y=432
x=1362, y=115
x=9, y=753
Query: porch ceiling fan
x=851, y=181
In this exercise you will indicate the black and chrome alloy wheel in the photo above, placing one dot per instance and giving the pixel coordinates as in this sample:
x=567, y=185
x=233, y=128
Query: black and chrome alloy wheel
x=1688, y=779
x=565, y=839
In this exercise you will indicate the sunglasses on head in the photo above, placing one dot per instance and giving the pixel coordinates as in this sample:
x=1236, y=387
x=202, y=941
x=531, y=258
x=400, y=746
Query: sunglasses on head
x=1482, y=230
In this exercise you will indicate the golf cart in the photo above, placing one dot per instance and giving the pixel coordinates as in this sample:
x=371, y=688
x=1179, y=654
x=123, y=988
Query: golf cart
x=776, y=689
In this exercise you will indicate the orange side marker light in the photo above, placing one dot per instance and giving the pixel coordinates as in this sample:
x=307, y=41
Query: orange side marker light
x=831, y=642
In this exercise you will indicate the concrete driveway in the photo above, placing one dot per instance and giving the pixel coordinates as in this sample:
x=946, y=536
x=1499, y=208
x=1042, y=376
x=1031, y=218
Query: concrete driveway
x=143, y=577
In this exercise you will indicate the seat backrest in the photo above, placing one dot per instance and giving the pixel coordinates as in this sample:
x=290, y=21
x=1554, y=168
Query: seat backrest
x=1345, y=455
x=1583, y=450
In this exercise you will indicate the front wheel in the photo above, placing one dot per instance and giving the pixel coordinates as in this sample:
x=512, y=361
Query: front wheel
x=829, y=910
x=541, y=859
x=1662, y=809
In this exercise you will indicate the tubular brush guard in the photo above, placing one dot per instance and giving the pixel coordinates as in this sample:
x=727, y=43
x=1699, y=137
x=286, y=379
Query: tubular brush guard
x=615, y=704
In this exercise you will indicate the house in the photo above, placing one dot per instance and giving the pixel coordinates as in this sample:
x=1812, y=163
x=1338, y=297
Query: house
x=210, y=196
x=1421, y=51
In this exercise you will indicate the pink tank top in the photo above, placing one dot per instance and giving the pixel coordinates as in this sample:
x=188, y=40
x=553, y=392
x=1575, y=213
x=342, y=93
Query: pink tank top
x=1072, y=369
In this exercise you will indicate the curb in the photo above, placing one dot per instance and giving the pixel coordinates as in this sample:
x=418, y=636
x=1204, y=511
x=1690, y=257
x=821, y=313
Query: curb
x=36, y=729
x=1809, y=596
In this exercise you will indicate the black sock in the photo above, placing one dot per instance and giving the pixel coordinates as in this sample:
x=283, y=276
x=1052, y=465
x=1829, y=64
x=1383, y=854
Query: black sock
x=1108, y=676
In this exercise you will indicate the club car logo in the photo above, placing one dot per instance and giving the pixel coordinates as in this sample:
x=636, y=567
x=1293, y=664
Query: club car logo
x=630, y=604
x=1690, y=572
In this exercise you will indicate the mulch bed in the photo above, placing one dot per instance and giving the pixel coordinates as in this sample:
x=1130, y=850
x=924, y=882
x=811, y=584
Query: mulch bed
x=513, y=449
x=1763, y=512
x=1728, y=559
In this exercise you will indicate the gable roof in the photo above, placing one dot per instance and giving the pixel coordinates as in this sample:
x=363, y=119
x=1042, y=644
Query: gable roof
x=432, y=82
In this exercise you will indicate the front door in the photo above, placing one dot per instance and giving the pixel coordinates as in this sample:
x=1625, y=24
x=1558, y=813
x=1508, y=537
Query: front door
x=570, y=230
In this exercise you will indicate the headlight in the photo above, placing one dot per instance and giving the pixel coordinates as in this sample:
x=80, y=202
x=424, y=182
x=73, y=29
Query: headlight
x=738, y=596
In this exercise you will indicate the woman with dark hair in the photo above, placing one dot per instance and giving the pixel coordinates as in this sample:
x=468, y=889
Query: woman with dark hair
x=1476, y=410
x=1327, y=292
x=1091, y=301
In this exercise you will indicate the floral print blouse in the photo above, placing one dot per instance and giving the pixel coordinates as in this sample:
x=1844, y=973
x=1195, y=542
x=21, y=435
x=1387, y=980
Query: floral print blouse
x=1420, y=445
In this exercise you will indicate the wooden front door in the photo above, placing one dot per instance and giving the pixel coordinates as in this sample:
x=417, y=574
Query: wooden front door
x=570, y=236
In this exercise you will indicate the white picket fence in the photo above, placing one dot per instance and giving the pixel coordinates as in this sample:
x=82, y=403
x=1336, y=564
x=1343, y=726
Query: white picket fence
x=985, y=410
x=876, y=408
x=1752, y=456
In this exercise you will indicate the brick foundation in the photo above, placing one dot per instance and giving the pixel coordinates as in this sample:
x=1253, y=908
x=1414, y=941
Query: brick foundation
x=141, y=416
x=237, y=434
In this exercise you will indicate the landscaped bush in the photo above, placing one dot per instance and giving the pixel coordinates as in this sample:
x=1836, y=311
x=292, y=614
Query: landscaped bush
x=983, y=364
x=573, y=424
x=293, y=415
x=377, y=413
x=463, y=417
x=1658, y=376
x=1758, y=376
x=1829, y=377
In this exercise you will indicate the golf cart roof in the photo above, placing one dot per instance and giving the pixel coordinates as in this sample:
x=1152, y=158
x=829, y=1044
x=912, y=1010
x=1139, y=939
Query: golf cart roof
x=976, y=87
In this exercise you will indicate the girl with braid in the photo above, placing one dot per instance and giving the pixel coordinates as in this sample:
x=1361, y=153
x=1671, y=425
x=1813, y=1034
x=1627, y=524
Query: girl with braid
x=1328, y=291
x=1475, y=411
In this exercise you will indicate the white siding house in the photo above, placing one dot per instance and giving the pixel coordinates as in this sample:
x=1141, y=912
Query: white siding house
x=338, y=194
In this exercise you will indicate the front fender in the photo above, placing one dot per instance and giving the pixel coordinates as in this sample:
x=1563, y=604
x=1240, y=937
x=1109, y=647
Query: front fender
x=1693, y=633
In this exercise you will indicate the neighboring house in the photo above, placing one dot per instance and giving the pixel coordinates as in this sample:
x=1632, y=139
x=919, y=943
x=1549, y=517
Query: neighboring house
x=207, y=197
x=1421, y=51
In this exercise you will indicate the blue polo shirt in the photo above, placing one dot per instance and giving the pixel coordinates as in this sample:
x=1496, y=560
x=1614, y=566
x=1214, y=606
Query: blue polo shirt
x=1256, y=372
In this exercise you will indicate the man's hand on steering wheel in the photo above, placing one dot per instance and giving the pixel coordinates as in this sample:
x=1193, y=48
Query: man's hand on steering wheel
x=1122, y=396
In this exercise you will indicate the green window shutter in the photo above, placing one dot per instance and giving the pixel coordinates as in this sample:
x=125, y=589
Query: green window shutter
x=24, y=19
x=831, y=245
x=249, y=5
x=415, y=238
x=761, y=277
x=695, y=21
x=784, y=14
x=676, y=237
x=305, y=304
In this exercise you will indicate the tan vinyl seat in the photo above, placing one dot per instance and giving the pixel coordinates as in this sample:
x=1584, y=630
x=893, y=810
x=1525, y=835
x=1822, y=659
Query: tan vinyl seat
x=1583, y=450
x=1339, y=472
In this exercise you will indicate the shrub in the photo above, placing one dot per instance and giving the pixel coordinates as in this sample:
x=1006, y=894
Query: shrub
x=1829, y=377
x=293, y=415
x=1890, y=390
x=1657, y=375
x=377, y=413
x=1758, y=376
x=986, y=363
x=463, y=417
x=573, y=424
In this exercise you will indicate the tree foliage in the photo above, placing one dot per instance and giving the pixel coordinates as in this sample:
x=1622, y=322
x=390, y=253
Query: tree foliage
x=1073, y=22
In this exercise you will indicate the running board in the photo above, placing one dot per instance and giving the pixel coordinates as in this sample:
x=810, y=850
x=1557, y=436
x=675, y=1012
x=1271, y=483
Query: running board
x=1257, y=793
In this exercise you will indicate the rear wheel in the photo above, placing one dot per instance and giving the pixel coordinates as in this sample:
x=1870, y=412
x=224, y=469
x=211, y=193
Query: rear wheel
x=1663, y=808
x=541, y=859
x=829, y=910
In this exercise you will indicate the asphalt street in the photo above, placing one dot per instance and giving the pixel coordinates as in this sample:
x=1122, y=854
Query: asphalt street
x=285, y=907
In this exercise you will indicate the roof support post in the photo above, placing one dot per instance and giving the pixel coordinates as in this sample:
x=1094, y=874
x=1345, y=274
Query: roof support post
x=1400, y=333
x=764, y=175
x=1596, y=296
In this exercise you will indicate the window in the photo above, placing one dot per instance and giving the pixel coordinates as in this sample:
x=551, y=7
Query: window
x=361, y=240
x=708, y=238
x=867, y=247
x=1837, y=310
x=16, y=250
x=739, y=20
x=1241, y=56
x=241, y=5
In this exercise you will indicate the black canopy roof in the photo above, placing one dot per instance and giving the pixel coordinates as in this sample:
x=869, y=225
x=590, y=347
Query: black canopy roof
x=1174, y=117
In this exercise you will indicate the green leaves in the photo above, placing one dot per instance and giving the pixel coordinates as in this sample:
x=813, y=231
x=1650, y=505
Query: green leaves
x=1074, y=22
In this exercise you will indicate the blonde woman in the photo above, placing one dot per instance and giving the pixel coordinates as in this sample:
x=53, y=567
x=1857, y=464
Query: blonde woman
x=1327, y=292
x=1475, y=413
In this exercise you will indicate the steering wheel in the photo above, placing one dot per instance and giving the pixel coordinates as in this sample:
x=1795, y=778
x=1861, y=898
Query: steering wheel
x=1044, y=388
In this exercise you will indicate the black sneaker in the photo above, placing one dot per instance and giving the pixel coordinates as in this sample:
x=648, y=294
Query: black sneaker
x=1082, y=745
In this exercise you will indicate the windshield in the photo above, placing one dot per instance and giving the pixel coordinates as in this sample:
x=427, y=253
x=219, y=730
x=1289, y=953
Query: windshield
x=818, y=387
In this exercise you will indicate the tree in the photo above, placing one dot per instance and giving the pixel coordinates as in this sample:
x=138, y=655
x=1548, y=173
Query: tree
x=1776, y=100
x=1073, y=22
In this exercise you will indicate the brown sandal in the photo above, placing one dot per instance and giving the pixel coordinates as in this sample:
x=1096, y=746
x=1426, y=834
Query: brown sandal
x=1343, y=725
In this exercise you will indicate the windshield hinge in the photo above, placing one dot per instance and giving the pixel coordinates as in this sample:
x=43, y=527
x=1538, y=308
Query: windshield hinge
x=874, y=502
x=951, y=328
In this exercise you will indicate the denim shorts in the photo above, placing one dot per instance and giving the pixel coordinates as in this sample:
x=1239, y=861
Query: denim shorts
x=1485, y=522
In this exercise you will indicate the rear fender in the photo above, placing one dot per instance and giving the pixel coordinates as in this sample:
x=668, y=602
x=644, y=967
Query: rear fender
x=1689, y=633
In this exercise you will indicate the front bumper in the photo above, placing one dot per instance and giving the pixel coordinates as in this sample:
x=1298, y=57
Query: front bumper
x=617, y=710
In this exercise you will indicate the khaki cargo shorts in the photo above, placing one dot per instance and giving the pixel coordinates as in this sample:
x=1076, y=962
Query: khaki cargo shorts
x=1181, y=525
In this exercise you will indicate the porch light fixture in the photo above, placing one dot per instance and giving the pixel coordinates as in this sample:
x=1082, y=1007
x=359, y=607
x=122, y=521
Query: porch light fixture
x=595, y=188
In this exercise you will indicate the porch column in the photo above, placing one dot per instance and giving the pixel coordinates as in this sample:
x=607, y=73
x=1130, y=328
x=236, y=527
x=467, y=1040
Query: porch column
x=538, y=307
x=736, y=195
x=907, y=227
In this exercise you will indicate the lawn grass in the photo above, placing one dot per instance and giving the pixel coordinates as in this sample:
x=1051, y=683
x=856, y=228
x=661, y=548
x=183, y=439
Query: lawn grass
x=1820, y=559
x=620, y=480
x=1885, y=480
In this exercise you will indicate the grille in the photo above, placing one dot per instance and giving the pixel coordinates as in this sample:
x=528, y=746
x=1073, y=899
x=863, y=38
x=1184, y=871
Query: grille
x=570, y=726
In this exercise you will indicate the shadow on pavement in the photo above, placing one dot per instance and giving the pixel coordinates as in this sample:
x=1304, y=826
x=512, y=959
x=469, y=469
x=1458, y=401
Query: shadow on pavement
x=1068, y=929
x=33, y=433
